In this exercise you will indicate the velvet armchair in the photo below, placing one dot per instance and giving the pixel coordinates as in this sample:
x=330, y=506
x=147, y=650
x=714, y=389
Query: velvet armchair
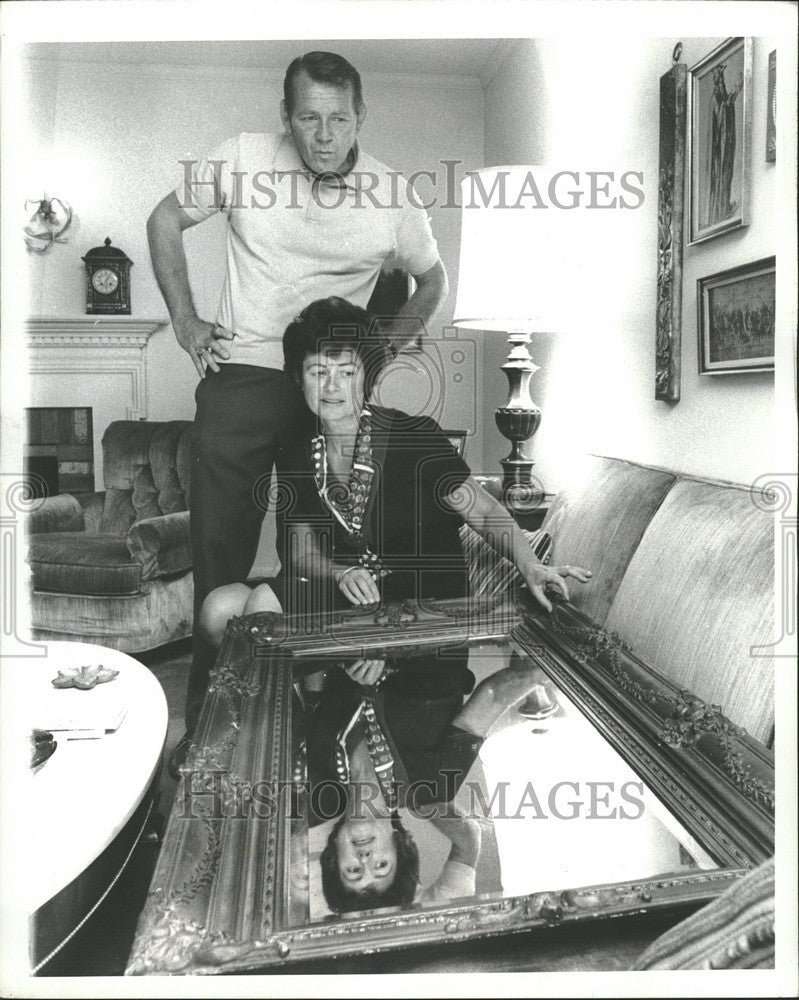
x=114, y=567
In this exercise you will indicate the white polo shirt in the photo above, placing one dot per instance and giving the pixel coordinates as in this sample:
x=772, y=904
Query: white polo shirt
x=292, y=239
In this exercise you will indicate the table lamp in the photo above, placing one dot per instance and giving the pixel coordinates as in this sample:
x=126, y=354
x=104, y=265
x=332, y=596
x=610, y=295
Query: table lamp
x=513, y=266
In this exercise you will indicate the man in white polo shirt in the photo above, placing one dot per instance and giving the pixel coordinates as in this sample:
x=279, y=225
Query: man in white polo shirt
x=309, y=215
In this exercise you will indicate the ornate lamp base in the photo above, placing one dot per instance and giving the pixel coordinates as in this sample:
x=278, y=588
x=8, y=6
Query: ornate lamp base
x=518, y=420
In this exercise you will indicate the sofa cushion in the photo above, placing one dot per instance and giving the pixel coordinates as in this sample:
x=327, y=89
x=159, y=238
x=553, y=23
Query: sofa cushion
x=597, y=522
x=698, y=596
x=735, y=931
x=77, y=563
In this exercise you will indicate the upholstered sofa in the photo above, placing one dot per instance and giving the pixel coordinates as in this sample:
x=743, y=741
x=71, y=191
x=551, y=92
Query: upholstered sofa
x=114, y=567
x=683, y=567
x=683, y=572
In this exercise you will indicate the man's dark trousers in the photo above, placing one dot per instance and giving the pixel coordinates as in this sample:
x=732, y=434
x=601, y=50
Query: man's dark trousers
x=243, y=413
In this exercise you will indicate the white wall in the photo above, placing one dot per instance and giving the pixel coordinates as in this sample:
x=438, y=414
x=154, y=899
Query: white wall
x=112, y=135
x=585, y=110
x=116, y=132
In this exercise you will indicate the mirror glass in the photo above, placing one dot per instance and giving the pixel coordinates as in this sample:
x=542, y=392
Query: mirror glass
x=459, y=775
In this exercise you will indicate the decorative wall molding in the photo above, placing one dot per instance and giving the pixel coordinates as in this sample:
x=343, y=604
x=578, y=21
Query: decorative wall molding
x=94, y=346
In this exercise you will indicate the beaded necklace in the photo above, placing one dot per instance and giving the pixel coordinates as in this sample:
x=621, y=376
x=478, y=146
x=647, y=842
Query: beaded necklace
x=348, y=502
x=376, y=744
x=379, y=751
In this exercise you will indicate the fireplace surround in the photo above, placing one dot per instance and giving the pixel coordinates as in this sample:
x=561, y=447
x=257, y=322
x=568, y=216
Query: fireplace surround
x=97, y=362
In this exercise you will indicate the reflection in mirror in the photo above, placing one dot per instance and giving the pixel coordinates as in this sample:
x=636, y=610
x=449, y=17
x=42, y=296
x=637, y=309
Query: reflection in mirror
x=459, y=774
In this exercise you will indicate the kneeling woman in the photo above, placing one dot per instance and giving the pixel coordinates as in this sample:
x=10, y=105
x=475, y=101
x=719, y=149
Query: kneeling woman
x=371, y=508
x=374, y=497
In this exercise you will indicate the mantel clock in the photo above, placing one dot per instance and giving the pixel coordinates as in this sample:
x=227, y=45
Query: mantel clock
x=107, y=280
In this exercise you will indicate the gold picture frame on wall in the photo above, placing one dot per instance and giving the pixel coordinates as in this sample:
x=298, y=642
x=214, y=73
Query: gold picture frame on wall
x=720, y=139
x=771, y=109
x=736, y=319
x=671, y=177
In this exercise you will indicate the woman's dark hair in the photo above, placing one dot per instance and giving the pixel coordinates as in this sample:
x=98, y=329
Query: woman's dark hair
x=323, y=67
x=401, y=891
x=331, y=326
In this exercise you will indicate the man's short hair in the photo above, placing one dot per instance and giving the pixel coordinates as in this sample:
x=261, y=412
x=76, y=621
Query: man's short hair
x=324, y=67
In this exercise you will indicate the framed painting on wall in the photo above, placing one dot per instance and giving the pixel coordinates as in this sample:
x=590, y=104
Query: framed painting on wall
x=720, y=140
x=736, y=319
x=671, y=183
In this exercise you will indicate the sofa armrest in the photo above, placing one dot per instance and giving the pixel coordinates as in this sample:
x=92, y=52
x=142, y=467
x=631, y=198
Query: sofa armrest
x=92, y=505
x=161, y=545
x=60, y=513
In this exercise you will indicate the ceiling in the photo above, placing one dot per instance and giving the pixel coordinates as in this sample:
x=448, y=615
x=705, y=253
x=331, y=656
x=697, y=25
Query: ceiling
x=437, y=56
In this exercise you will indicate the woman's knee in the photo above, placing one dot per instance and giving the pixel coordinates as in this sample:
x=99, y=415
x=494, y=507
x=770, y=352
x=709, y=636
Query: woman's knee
x=262, y=598
x=219, y=607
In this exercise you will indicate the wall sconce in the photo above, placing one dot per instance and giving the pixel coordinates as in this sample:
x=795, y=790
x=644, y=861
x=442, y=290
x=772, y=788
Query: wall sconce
x=47, y=225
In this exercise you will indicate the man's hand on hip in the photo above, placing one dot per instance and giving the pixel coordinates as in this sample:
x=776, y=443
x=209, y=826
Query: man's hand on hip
x=203, y=342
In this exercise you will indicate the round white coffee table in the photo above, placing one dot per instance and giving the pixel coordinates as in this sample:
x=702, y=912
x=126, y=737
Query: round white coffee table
x=88, y=805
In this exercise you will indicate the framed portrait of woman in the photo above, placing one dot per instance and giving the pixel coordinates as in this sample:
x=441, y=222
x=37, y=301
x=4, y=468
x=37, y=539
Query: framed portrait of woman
x=720, y=141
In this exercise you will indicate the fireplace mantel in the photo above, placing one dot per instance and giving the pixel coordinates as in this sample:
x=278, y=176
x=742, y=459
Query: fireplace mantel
x=71, y=347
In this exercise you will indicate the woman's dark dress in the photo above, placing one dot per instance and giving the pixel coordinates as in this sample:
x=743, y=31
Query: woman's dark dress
x=415, y=536
x=417, y=539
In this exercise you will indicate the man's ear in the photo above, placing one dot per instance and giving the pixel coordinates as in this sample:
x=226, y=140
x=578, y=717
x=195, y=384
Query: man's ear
x=359, y=117
x=285, y=116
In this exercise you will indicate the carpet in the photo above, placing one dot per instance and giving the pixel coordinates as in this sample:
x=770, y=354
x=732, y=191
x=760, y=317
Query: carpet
x=170, y=665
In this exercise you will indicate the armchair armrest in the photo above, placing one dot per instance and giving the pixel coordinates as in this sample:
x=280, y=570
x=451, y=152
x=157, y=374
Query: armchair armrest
x=60, y=513
x=161, y=545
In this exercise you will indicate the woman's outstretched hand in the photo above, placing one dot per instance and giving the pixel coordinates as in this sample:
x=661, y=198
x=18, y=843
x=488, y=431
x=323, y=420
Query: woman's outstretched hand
x=538, y=576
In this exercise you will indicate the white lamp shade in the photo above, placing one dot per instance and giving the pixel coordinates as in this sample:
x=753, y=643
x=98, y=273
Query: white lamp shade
x=522, y=249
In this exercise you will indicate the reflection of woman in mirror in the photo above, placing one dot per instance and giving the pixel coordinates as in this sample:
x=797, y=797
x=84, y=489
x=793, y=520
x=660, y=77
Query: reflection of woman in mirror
x=378, y=740
x=376, y=497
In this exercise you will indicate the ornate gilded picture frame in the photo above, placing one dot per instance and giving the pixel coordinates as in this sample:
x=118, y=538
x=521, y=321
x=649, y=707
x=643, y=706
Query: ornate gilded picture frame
x=736, y=316
x=720, y=139
x=671, y=176
x=225, y=893
x=771, y=109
